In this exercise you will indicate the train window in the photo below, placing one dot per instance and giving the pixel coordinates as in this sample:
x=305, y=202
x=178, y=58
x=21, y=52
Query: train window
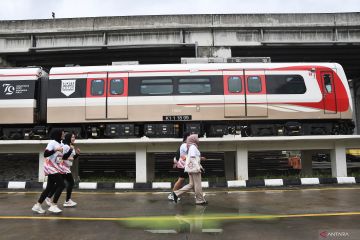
x=254, y=84
x=194, y=86
x=327, y=83
x=97, y=87
x=116, y=86
x=156, y=87
x=285, y=84
x=235, y=84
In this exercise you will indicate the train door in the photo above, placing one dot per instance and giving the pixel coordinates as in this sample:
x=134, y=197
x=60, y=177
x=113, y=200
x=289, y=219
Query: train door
x=106, y=96
x=328, y=91
x=95, y=102
x=117, y=98
x=234, y=97
x=255, y=94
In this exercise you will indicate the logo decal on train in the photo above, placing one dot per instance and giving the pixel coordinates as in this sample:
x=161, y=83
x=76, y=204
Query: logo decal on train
x=68, y=87
x=8, y=89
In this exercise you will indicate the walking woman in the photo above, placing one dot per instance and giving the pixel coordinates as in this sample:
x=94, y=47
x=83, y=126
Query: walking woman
x=53, y=155
x=70, y=154
x=194, y=178
x=180, y=165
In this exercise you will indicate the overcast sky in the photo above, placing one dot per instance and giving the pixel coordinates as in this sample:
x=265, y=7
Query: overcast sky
x=41, y=9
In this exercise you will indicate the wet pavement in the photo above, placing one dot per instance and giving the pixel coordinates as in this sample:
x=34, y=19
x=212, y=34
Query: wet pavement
x=307, y=213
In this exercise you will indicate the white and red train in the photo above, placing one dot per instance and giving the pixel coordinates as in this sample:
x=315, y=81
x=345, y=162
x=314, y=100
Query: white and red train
x=252, y=99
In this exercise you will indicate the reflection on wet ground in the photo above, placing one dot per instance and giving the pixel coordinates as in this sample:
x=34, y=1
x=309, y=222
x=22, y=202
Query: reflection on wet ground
x=246, y=214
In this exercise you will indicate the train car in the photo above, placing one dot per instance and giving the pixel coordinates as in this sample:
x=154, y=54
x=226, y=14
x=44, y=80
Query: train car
x=22, y=107
x=251, y=99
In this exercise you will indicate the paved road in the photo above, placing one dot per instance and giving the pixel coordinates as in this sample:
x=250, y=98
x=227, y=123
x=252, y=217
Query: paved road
x=244, y=214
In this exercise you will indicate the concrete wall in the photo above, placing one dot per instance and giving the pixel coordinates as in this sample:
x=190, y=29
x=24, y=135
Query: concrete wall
x=203, y=30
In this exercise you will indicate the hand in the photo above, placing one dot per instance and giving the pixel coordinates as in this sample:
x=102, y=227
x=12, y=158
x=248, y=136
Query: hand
x=59, y=149
x=78, y=151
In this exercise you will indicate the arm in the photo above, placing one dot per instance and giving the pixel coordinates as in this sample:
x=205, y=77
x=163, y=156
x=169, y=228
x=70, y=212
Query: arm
x=77, y=153
x=48, y=153
x=67, y=155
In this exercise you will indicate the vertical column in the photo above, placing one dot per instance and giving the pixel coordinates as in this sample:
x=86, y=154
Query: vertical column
x=150, y=167
x=338, y=161
x=141, y=167
x=41, y=167
x=229, y=162
x=306, y=162
x=242, y=169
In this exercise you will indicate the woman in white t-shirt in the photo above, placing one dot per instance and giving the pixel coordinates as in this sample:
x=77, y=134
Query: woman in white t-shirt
x=53, y=155
x=179, y=164
x=194, y=178
x=70, y=154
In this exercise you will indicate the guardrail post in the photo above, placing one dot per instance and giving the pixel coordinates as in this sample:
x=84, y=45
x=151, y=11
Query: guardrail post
x=242, y=169
x=229, y=162
x=141, y=163
x=41, y=167
x=338, y=161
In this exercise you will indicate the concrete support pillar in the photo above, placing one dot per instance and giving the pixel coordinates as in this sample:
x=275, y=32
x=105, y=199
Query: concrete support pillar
x=306, y=162
x=242, y=170
x=141, y=163
x=229, y=162
x=219, y=52
x=338, y=161
x=41, y=167
x=150, y=167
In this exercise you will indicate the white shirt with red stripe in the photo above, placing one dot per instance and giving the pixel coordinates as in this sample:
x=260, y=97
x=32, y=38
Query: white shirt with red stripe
x=66, y=164
x=51, y=165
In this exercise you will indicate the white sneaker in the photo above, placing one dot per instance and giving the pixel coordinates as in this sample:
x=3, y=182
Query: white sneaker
x=69, y=203
x=48, y=201
x=171, y=197
x=37, y=208
x=55, y=209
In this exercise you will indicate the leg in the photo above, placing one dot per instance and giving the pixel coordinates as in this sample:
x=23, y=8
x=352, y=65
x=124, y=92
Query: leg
x=70, y=184
x=186, y=188
x=198, y=188
x=178, y=184
x=60, y=185
x=52, y=191
x=50, y=184
x=181, y=179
